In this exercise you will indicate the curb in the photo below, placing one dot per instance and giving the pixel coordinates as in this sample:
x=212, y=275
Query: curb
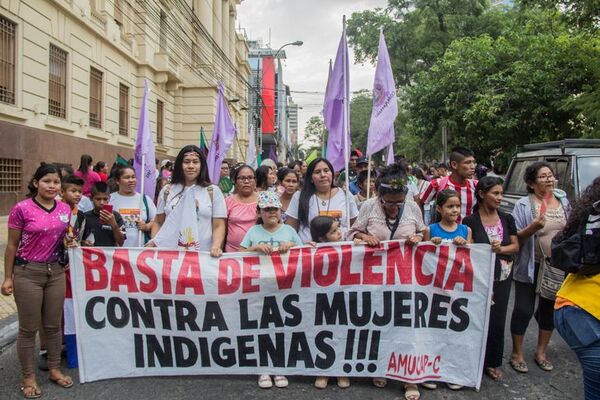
x=9, y=327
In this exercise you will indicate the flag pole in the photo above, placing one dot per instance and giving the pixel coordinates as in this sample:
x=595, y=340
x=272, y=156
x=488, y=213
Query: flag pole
x=140, y=233
x=346, y=116
x=369, y=178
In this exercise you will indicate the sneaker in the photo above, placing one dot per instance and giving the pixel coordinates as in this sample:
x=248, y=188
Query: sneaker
x=265, y=382
x=429, y=385
x=43, y=360
x=280, y=381
x=452, y=386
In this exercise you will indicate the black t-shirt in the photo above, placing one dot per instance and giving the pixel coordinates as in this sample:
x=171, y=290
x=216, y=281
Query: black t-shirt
x=103, y=234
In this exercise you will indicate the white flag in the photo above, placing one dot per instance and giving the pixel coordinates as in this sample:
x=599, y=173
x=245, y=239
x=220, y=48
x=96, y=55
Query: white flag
x=180, y=230
x=251, y=150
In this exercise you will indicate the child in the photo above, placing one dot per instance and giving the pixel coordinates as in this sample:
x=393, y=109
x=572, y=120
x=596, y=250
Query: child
x=447, y=207
x=267, y=236
x=327, y=229
x=103, y=227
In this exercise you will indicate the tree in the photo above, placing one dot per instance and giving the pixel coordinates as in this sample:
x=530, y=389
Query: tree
x=530, y=84
x=581, y=14
x=315, y=135
x=418, y=32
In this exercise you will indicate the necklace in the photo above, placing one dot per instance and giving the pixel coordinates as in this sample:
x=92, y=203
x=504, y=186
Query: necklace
x=323, y=202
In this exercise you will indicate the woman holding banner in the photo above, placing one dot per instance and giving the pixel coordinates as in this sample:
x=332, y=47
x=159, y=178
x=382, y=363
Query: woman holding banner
x=319, y=196
x=190, y=173
x=491, y=226
x=538, y=216
x=126, y=201
x=386, y=217
x=241, y=207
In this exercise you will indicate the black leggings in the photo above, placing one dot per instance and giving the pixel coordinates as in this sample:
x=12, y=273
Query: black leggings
x=495, y=340
x=524, y=305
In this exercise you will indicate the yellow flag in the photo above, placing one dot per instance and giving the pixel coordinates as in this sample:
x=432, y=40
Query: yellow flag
x=312, y=156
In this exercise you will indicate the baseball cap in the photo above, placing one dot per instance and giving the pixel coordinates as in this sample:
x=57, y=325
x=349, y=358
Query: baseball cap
x=268, y=199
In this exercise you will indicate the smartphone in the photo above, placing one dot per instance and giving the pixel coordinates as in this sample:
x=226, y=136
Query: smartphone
x=108, y=208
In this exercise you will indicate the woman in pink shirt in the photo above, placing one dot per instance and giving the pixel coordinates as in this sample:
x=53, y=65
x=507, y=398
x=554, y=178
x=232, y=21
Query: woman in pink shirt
x=241, y=207
x=86, y=173
x=37, y=227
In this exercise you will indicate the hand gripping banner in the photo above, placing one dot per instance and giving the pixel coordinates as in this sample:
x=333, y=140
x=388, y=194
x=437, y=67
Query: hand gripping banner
x=412, y=313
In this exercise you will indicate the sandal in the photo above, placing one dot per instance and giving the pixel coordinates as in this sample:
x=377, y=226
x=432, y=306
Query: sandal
x=411, y=392
x=64, y=381
x=493, y=373
x=379, y=382
x=31, y=391
x=280, y=381
x=343, y=382
x=265, y=382
x=321, y=382
x=520, y=367
x=544, y=365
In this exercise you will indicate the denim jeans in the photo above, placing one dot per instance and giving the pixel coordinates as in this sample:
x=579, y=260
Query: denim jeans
x=581, y=331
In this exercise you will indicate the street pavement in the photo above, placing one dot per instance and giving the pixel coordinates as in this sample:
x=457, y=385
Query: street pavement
x=564, y=383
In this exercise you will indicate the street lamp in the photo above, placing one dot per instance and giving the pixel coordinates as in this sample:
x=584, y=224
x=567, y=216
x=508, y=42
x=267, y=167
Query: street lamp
x=279, y=82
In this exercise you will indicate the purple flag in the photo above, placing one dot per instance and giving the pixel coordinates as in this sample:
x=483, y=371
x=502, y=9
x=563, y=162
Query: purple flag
x=333, y=107
x=222, y=138
x=385, y=104
x=143, y=163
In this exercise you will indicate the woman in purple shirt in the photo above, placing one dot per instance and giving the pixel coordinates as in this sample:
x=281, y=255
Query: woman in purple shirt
x=36, y=230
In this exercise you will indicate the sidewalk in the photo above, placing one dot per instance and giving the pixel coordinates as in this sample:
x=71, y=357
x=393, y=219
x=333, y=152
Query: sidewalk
x=7, y=303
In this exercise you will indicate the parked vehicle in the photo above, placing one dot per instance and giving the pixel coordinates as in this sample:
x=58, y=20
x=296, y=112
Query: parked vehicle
x=575, y=161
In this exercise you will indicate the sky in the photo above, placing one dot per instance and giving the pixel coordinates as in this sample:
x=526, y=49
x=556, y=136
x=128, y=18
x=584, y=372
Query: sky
x=318, y=23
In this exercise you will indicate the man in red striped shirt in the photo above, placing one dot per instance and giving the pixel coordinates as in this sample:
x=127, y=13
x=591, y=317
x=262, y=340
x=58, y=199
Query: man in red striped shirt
x=462, y=165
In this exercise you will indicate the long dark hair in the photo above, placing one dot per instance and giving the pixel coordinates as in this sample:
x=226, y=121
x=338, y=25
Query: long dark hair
x=581, y=209
x=484, y=185
x=530, y=174
x=308, y=189
x=43, y=170
x=178, y=176
x=84, y=164
x=262, y=177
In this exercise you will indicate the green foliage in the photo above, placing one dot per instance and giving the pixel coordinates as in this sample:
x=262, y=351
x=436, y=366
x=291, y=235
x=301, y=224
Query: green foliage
x=581, y=14
x=531, y=84
x=315, y=135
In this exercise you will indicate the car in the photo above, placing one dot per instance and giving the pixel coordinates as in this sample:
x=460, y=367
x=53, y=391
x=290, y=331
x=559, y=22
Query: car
x=576, y=163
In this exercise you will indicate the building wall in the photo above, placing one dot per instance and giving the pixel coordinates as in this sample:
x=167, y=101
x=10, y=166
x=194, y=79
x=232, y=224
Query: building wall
x=182, y=56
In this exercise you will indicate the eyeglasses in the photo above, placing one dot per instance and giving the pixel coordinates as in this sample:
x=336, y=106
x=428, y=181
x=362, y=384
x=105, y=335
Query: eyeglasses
x=545, y=177
x=392, y=203
x=245, y=178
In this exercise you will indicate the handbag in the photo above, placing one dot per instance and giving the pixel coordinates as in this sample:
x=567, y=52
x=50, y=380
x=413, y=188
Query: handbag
x=549, y=278
x=579, y=253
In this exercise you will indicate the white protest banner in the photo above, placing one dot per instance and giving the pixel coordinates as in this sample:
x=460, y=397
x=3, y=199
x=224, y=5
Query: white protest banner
x=409, y=313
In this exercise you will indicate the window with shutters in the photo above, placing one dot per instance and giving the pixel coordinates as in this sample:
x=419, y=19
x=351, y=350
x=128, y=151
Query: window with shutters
x=160, y=109
x=57, y=83
x=10, y=175
x=123, y=110
x=95, y=98
x=7, y=60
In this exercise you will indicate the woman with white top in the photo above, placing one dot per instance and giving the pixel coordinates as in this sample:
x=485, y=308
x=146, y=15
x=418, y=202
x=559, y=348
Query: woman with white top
x=138, y=213
x=190, y=172
x=319, y=196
